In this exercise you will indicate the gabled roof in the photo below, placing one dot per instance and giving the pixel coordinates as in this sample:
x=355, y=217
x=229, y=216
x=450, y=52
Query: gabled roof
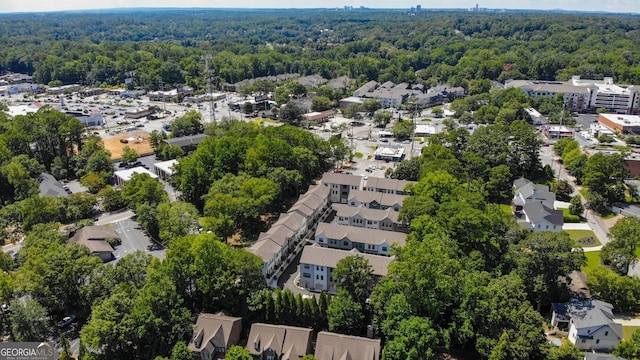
x=360, y=235
x=215, y=330
x=50, y=186
x=537, y=212
x=342, y=179
x=288, y=342
x=388, y=184
x=94, y=237
x=384, y=199
x=332, y=346
x=588, y=314
x=365, y=213
x=186, y=140
x=322, y=256
x=265, y=248
x=528, y=191
x=292, y=221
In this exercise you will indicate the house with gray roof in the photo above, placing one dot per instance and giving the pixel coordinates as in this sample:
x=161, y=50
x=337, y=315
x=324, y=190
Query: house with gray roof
x=313, y=203
x=332, y=346
x=533, y=205
x=366, y=88
x=589, y=322
x=369, y=241
x=375, y=200
x=190, y=141
x=341, y=82
x=213, y=335
x=388, y=186
x=317, y=264
x=368, y=218
x=49, y=186
x=95, y=238
x=340, y=185
x=281, y=342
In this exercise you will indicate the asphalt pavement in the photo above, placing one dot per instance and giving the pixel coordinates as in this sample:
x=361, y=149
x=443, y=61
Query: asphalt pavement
x=134, y=238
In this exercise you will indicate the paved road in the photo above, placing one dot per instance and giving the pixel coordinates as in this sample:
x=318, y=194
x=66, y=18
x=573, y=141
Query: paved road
x=113, y=217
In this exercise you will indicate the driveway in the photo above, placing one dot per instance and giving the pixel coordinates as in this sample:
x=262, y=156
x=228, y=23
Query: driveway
x=576, y=226
x=288, y=277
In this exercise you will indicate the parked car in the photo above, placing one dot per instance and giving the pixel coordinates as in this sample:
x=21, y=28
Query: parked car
x=66, y=321
x=384, y=140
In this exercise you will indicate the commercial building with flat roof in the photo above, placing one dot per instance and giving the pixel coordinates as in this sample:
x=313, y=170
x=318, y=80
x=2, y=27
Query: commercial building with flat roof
x=623, y=124
x=123, y=176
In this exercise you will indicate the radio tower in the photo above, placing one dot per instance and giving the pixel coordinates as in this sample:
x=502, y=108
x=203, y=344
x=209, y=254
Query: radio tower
x=208, y=73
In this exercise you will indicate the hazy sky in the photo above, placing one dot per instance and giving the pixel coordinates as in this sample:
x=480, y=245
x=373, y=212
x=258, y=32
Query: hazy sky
x=584, y=5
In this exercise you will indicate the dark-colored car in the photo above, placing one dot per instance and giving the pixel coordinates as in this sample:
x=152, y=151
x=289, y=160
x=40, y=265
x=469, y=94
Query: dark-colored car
x=66, y=321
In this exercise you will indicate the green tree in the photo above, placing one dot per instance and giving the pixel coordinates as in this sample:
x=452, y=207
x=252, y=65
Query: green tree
x=621, y=291
x=403, y=130
x=415, y=338
x=188, y=124
x=238, y=352
x=142, y=189
x=437, y=111
x=561, y=188
x=129, y=155
x=93, y=181
x=351, y=111
x=345, y=315
x=629, y=348
x=321, y=103
x=371, y=105
x=176, y=219
x=620, y=252
x=291, y=113
x=29, y=322
x=567, y=351
x=575, y=206
x=381, y=118
x=542, y=259
x=354, y=275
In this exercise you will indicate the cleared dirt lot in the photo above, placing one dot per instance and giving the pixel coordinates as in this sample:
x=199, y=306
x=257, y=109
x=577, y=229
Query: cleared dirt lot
x=137, y=140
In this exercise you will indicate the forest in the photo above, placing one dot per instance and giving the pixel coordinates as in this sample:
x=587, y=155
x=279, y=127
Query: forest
x=103, y=49
x=470, y=282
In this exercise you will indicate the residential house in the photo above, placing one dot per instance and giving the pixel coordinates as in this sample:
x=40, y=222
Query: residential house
x=95, y=238
x=366, y=88
x=278, y=245
x=340, y=185
x=317, y=264
x=332, y=346
x=589, y=322
x=533, y=204
x=368, y=218
x=375, y=200
x=213, y=335
x=369, y=241
x=49, y=186
x=280, y=342
x=312, y=204
x=386, y=185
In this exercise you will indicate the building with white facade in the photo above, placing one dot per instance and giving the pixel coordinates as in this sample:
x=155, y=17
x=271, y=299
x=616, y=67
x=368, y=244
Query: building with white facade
x=368, y=218
x=164, y=169
x=369, y=241
x=340, y=185
x=317, y=264
x=122, y=176
x=589, y=322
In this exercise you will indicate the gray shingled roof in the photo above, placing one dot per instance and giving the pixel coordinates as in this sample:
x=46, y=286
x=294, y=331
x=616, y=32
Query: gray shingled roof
x=383, y=199
x=361, y=235
x=50, y=186
x=366, y=213
x=183, y=141
x=386, y=183
x=322, y=256
x=342, y=179
x=537, y=211
x=288, y=342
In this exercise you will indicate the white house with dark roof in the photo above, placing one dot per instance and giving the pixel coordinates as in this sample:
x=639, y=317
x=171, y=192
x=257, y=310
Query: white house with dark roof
x=375, y=200
x=590, y=324
x=317, y=264
x=369, y=241
x=368, y=218
x=533, y=205
x=340, y=185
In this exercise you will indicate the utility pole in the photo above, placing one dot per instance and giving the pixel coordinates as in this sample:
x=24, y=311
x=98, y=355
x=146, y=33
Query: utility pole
x=208, y=73
x=164, y=106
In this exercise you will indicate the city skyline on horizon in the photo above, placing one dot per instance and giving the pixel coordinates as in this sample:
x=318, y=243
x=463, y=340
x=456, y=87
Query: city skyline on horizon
x=619, y=6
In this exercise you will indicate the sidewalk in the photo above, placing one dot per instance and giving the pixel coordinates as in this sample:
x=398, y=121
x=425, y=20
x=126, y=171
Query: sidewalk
x=626, y=320
x=576, y=226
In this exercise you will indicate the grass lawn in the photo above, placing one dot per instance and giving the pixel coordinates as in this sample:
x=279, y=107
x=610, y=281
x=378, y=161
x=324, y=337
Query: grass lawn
x=593, y=261
x=638, y=253
x=576, y=235
x=627, y=331
x=568, y=217
x=608, y=216
x=358, y=155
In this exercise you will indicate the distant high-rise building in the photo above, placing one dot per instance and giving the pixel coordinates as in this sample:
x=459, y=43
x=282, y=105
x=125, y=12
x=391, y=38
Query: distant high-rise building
x=418, y=8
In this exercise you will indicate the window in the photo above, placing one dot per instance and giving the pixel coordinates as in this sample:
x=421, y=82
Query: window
x=270, y=357
x=384, y=248
x=606, y=333
x=598, y=341
x=306, y=266
x=345, y=243
x=307, y=275
x=317, y=268
x=321, y=277
x=584, y=341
